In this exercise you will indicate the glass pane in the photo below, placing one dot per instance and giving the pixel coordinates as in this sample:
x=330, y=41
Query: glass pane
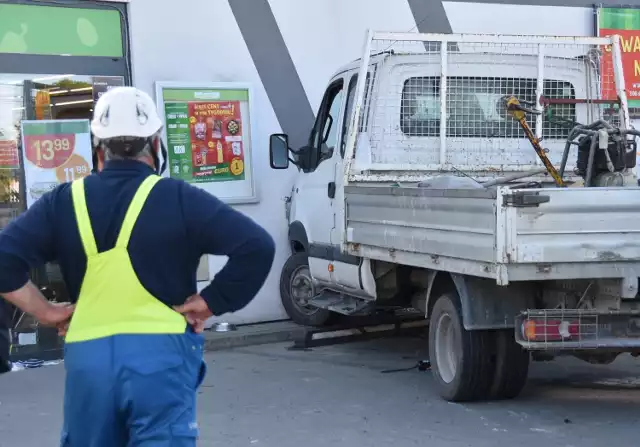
x=35, y=97
x=331, y=133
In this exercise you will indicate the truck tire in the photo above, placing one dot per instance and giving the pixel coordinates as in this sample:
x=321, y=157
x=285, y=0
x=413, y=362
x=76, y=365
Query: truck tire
x=460, y=360
x=296, y=287
x=512, y=366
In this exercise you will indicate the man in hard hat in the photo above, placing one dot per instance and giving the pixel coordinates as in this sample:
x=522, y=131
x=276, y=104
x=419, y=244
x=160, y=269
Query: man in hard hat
x=129, y=244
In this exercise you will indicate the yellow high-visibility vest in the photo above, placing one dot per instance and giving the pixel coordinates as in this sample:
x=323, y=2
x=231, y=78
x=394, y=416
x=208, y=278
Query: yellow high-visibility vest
x=112, y=301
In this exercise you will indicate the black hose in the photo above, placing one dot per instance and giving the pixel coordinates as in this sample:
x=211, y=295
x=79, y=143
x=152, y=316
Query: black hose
x=565, y=157
x=422, y=365
x=592, y=155
x=598, y=124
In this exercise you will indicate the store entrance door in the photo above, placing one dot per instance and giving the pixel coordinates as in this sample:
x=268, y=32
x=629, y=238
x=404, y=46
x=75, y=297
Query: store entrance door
x=30, y=103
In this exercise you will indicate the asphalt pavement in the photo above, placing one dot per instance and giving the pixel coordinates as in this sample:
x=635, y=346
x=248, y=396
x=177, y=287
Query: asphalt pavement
x=268, y=396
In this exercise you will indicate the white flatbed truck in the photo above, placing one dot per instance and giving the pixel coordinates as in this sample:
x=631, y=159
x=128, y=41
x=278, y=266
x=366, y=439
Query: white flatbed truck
x=418, y=190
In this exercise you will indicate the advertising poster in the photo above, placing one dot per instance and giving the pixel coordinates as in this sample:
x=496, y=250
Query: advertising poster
x=9, y=154
x=626, y=23
x=55, y=152
x=205, y=137
x=208, y=134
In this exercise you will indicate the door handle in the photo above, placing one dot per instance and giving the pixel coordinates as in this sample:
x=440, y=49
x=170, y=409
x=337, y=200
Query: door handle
x=331, y=190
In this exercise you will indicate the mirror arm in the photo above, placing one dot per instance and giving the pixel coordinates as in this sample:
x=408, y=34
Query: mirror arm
x=295, y=152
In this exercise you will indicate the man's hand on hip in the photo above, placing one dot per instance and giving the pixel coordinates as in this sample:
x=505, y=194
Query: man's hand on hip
x=195, y=311
x=57, y=315
x=30, y=300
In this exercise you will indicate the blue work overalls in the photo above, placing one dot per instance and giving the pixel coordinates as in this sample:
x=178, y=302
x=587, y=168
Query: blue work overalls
x=133, y=365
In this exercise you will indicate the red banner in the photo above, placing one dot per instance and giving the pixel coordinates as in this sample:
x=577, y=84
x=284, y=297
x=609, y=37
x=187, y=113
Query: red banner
x=630, y=49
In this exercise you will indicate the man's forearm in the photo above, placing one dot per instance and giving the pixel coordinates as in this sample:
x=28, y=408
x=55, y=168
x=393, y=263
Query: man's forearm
x=29, y=299
x=242, y=276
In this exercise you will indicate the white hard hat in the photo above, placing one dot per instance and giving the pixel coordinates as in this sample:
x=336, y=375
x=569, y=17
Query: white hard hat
x=125, y=112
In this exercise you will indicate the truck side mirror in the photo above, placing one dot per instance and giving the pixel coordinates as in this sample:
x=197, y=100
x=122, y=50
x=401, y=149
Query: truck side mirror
x=279, y=151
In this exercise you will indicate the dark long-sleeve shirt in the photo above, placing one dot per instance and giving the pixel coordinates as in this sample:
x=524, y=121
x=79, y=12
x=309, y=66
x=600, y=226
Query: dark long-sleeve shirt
x=178, y=224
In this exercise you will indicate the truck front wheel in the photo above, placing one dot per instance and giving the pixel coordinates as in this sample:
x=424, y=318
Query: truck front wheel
x=297, y=290
x=461, y=361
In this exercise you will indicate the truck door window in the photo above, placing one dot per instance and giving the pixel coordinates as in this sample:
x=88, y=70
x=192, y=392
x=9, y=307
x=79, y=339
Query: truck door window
x=351, y=94
x=325, y=133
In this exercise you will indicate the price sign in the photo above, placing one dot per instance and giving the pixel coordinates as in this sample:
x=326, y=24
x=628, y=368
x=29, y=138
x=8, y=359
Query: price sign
x=49, y=151
x=75, y=168
x=55, y=152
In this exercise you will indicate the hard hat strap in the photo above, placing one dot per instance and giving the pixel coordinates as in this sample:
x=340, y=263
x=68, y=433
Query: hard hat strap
x=163, y=150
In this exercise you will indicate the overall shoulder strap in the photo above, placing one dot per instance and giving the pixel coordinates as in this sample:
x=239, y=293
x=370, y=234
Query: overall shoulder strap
x=135, y=207
x=82, y=218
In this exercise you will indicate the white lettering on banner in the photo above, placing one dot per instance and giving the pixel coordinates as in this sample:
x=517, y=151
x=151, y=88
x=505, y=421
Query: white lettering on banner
x=206, y=95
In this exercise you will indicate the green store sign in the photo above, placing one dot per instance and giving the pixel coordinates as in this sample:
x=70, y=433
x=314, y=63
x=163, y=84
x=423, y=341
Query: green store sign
x=52, y=30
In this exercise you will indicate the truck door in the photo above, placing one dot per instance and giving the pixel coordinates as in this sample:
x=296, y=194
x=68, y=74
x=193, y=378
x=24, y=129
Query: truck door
x=352, y=274
x=315, y=190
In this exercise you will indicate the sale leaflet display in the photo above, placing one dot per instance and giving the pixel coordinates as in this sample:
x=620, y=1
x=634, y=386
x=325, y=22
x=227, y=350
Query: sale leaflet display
x=205, y=138
x=54, y=152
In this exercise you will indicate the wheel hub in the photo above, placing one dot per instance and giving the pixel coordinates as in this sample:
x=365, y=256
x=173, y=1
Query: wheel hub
x=302, y=290
x=445, y=344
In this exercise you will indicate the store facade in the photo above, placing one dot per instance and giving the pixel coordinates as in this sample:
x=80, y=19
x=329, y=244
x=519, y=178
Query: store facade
x=275, y=55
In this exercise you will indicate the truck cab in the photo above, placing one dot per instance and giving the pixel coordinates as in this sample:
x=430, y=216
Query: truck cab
x=317, y=262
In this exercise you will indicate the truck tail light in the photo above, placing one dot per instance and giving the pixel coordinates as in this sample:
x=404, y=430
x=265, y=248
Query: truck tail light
x=541, y=329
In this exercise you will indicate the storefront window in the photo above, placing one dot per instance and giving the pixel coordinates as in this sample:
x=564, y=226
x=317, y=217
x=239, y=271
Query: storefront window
x=34, y=97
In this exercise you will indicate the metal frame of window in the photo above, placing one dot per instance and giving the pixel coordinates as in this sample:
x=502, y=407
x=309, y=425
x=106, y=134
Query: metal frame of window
x=77, y=65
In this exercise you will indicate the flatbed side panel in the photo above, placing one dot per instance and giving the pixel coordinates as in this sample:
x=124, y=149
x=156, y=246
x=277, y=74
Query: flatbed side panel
x=450, y=223
x=577, y=225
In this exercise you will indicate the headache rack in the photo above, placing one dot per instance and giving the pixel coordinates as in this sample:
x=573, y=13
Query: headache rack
x=430, y=103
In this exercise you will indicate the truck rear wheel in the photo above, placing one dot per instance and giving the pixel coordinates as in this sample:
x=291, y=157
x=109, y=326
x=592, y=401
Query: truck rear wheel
x=461, y=360
x=297, y=289
x=512, y=366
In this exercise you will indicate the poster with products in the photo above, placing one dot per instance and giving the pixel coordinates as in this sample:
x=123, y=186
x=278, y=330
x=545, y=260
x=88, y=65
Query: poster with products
x=208, y=137
x=54, y=152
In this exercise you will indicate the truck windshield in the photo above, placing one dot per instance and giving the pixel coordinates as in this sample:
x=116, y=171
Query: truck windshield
x=475, y=109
